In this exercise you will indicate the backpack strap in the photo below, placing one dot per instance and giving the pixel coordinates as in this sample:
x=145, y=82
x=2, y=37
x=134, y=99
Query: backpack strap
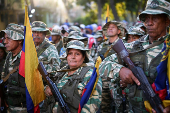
x=42, y=48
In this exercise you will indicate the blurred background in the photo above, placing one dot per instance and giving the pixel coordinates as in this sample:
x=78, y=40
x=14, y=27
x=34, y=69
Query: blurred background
x=57, y=12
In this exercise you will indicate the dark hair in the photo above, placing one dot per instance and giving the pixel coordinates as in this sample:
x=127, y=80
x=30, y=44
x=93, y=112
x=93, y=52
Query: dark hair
x=4, y=52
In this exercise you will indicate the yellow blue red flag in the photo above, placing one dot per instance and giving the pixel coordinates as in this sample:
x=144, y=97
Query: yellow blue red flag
x=91, y=85
x=28, y=68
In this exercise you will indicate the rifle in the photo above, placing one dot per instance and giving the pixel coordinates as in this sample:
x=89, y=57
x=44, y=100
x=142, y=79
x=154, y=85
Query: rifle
x=150, y=95
x=54, y=89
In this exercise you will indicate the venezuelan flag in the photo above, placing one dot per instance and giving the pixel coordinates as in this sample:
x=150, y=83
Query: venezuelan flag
x=91, y=85
x=28, y=68
x=162, y=81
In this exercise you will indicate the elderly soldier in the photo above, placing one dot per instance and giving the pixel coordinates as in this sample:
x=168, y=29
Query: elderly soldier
x=14, y=86
x=112, y=30
x=47, y=54
x=156, y=19
x=56, y=39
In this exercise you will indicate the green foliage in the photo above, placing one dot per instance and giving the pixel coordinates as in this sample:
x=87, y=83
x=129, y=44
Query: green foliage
x=90, y=18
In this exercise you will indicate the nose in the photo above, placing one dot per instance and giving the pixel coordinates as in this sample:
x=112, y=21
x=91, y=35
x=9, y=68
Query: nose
x=149, y=21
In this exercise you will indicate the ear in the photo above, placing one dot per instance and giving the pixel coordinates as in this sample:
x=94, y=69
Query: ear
x=119, y=31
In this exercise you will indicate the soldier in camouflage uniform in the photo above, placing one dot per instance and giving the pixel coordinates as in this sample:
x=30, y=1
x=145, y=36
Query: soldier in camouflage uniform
x=76, y=35
x=57, y=39
x=69, y=84
x=156, y=19
x=47, y=54
x=133, y=34
x=99, y=39
x=114, y=29
x=14, y=87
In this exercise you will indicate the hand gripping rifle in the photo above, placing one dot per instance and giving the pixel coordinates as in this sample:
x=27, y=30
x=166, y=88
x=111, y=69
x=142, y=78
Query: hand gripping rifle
x=150, y=95
x=54, y=89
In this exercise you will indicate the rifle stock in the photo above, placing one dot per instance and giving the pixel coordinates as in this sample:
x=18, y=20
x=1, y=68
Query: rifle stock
x=54, y=89
x=153, y=99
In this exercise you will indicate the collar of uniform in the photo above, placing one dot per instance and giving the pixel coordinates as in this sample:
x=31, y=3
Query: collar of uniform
x=57, y=43
x=147, y=38
x=16, y=57
x=77, y=72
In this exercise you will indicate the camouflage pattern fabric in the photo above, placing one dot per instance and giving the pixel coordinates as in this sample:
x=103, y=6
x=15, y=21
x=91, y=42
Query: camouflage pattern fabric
x=14, y=31
x=110, y=68
x=49, y=58
x=94, y=101
x=40, y=26
x=155, y=7
x=56, y=32
x=12, y=60
x=11, y=63
x=58, y=46
x=118, y=24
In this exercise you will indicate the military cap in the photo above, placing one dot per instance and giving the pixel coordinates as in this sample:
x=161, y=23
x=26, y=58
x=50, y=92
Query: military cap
x=98, y=34
x=75, y=44
x=118, y=24
x=14, y=31
x=74, y=28
x=135, y=31
x=154, y=7
x=40, y=26
x=76, y=35
x=56, y=32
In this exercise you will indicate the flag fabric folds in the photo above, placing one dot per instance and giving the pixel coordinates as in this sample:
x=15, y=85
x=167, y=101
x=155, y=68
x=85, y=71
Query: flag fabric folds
x=91, y=85
x=28, y=68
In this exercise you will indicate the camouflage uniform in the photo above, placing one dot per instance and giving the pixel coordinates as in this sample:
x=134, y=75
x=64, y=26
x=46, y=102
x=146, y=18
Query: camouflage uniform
x=148, y=60
x=14, y=87
x=50, y=59
x=106, y=105
x=94, y=101
x=58, y=45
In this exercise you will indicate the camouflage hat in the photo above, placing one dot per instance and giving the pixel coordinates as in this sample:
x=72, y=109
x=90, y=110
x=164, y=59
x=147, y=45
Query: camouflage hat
x=98, y=34
x=75, y=44
x=134, y=31
x=40, y=26
x=14, y=31
x=118, y=24
x=76, y=35
x=74, y=28
x=155, y=7
x=56, y=32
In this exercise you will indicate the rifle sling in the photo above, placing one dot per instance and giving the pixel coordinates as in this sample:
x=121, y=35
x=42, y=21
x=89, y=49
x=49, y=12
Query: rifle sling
x=14, y=70
x=67, y=70
x=148, y=47
x=42, y=48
